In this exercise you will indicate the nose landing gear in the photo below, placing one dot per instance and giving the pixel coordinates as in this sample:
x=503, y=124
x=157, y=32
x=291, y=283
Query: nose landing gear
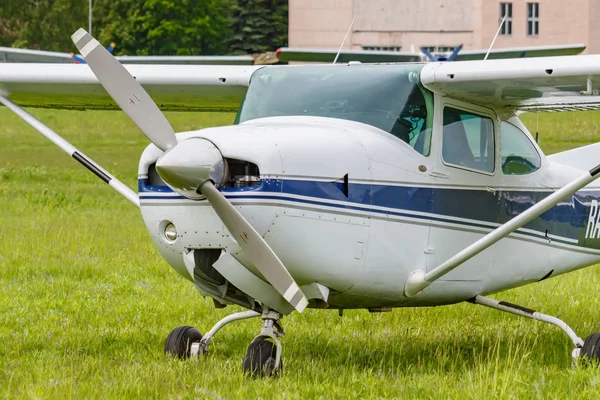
x=263, y=356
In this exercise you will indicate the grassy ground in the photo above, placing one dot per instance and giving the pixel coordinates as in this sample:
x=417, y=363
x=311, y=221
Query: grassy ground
x=87, y=302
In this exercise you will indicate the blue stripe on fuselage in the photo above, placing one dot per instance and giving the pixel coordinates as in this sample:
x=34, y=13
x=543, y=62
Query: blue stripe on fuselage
x=567, y=219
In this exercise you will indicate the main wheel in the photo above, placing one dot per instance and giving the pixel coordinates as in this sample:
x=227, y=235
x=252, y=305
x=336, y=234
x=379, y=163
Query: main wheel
x=260, y=359
x=179, y=342
x=591, y=347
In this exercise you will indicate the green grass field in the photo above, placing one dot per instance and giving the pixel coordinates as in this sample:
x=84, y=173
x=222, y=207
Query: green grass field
x=86, y=301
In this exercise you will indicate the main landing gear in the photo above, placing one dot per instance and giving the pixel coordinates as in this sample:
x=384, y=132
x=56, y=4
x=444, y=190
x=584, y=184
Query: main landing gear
x=263, y=356
x=588, y=350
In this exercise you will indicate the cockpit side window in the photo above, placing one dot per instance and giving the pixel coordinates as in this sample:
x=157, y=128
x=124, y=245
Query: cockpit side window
x=414, y=123
x=468, y=140
x=518, y=154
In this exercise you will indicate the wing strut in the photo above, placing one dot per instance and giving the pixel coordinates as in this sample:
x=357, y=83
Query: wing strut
x=418, y=279
x=68, y=148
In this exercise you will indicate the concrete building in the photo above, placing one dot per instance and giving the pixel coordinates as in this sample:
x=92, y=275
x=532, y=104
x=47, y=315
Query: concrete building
x=405, y=25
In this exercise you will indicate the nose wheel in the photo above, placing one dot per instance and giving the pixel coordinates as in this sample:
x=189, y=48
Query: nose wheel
x=263, y=356
x=261, y=359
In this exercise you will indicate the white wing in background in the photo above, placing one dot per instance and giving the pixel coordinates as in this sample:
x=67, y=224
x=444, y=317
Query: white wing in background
x=286, y=54
x=12, y=55
x=187, y=60
x=522, y=52
x=296, y=54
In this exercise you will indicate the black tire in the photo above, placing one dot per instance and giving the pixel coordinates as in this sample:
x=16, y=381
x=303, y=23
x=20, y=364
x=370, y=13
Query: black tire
x=591, y=348
x=179, y=342
x=260, y=359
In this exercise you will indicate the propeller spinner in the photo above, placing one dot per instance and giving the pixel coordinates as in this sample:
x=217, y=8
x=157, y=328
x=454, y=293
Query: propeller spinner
x=192, y=169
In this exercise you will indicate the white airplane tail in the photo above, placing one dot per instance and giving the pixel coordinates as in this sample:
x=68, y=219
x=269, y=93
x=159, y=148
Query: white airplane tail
x=583, y=158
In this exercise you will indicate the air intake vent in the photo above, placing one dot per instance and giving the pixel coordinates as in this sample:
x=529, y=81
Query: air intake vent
x=204, y=259
x=153, y=178
x=241, y=174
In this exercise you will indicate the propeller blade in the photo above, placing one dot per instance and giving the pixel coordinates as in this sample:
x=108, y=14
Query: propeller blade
x=255, y=247
x=125, y=91
x=428, y=54
x=455, y=52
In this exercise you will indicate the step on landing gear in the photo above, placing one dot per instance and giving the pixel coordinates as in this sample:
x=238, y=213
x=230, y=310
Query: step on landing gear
x=263, y=356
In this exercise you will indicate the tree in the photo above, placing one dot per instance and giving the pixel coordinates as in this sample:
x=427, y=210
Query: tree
x=259, y=26
x=165, y=27
x=41, y=24
x=149, y=27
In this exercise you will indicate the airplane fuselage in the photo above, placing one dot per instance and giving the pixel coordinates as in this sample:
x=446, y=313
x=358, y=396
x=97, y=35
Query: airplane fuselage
x=355, y=209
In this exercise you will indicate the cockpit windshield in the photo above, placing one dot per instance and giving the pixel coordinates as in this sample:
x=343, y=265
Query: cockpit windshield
x=388, y=97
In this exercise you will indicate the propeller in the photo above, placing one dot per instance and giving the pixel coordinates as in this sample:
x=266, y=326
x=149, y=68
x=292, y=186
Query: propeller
x=255, y=247
x=125, y=91
x=78, y=60
x=195, y=165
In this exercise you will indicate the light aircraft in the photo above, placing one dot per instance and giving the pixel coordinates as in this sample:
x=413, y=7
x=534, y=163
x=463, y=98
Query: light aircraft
x=443, y=56
x=345, y=186
x=14, y=55
x=288, y=54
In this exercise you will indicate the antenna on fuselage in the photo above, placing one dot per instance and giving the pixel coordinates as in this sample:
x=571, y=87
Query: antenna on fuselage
x=495, y=37
x=344, y=41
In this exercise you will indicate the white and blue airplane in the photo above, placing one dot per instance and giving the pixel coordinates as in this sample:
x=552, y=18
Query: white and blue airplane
x=314, y=55
x=345, y=186
x=17, y=55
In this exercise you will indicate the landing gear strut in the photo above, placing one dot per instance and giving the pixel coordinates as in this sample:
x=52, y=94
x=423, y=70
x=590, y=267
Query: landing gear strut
x=589, y=350
x=263, y=356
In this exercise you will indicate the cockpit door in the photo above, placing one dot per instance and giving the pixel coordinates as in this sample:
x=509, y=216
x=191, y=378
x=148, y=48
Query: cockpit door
x=466, y=195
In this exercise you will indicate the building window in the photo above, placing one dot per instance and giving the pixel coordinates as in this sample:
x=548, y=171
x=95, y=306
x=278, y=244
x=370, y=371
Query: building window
x=533, y=19
x=506, y=11
x=382, y=48
x=439, y=49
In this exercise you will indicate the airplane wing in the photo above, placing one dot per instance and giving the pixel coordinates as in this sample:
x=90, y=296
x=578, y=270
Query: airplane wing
x=12, y=55
x=187, y=60
x=286, y=54
x=521, y=52
x=565, y=83
x=172, y=87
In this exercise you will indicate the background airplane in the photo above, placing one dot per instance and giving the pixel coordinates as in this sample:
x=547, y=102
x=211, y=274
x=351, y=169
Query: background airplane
x=441, y=56
x=14, y=55
x=287, y=54
x=290, y=54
